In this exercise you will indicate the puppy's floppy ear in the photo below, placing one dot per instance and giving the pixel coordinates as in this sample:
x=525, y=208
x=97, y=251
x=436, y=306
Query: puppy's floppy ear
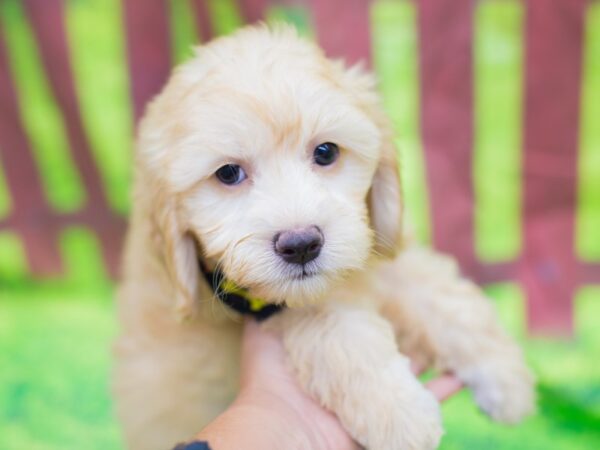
x=179, y=254
x=385, y=195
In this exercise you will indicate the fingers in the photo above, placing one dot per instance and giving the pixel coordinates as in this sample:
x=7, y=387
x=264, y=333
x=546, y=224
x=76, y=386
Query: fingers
x=416, y=367
x=444, y=386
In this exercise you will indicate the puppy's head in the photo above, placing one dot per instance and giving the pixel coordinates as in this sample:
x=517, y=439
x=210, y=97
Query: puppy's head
x=275, y=163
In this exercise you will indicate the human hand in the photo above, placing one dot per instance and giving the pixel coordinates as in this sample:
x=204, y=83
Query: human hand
x=273, y=412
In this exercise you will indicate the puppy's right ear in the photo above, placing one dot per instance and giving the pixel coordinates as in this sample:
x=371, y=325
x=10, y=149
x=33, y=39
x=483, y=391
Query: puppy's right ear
x=180, y=256
x=385, y=196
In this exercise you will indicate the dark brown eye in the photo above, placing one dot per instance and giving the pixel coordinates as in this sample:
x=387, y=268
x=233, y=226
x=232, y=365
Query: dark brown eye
x=326, y=153
x=231, y=174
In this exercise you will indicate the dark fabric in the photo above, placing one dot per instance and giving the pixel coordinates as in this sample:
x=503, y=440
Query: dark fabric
x=235, y=301
x=196, y=445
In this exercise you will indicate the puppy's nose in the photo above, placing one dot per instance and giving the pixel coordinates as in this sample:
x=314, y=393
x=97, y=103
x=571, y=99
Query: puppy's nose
x=299, y=246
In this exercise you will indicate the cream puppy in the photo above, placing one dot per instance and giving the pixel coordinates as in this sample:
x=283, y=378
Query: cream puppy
x=275, y=166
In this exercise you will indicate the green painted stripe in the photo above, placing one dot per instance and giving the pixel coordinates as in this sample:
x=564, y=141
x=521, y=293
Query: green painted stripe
x=226, y=16
x=5, y=200
x=183, y=30
x=498, y=75
x=587, y=311
x=588, y=212
x=82, y=257
x=13, y=263
x=395, y=53
x=295, y=15
x=509, y=302
x=41, y=116
x=97, y=44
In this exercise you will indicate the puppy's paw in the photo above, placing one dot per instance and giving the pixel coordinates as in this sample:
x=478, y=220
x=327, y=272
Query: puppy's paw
x=503, y=390
x=419, y=424
x=397, y=413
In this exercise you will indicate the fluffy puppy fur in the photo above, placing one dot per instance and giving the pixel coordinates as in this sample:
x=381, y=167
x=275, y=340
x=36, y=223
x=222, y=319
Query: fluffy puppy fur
x=264, y=99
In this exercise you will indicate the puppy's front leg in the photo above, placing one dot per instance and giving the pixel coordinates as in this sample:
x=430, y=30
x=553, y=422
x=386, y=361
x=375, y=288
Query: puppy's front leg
x=348, y=360
x=426, y=296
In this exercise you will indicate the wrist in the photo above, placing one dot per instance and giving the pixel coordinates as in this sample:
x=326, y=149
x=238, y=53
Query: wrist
x=292, y=423
x=279, y=423
x=248, y=424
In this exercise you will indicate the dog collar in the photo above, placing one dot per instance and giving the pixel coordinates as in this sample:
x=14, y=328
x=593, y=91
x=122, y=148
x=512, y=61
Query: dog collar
x=238, y=298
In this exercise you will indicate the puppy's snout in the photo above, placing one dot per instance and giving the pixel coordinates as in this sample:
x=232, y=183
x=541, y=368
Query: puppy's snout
x=299, y=246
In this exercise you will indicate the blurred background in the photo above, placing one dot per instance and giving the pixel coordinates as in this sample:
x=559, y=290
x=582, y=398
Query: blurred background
x=496, y=104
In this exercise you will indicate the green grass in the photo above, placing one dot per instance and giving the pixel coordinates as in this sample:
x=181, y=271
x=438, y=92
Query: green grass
x=55, y=336
x=568, y=389
x=55, y=351
x=54, y=392
x=54, y=354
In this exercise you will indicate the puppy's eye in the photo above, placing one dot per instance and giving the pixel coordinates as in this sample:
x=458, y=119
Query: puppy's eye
x=231, y=174
x=325, y=154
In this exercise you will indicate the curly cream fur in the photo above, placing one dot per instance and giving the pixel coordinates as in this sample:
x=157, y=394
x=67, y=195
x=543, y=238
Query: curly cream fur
x=263, y=99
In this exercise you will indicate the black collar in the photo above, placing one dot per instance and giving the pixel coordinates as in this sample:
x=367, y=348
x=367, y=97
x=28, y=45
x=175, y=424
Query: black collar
x=238, y=298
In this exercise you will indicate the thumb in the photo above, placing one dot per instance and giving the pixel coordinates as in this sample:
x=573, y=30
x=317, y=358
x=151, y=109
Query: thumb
x=262, y=355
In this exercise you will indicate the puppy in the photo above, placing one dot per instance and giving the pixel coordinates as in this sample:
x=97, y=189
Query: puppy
x=267, y=163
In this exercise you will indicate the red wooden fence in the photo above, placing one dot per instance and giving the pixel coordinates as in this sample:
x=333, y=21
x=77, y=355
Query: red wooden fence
x=552, y=104
x=548, y=268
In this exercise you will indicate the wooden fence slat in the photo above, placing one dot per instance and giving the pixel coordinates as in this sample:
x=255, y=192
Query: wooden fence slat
x=548, y=268
x=343, y=30
x=148, y=50
x=24, y=184
x=486, y=273
x=40, y=230
x=203, y=22
x=445, y=38
x=554, y=33
x=589, y=273
x=111, y=232
x=47, y=19
x=254, y=10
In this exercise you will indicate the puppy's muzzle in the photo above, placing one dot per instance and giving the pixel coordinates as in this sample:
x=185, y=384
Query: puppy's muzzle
x=299, y=246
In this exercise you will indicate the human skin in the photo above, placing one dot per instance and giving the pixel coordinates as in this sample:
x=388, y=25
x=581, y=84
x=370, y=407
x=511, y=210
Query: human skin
x=272, y=412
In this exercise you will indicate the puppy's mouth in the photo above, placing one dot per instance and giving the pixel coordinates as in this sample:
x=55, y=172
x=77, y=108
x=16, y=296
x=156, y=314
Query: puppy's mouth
x=304, y=274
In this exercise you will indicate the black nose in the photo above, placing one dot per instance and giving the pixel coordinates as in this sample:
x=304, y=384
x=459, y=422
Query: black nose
x=299, y=246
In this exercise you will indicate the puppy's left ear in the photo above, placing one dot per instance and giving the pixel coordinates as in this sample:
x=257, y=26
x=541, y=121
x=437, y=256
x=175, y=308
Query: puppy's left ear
x=385, y=195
